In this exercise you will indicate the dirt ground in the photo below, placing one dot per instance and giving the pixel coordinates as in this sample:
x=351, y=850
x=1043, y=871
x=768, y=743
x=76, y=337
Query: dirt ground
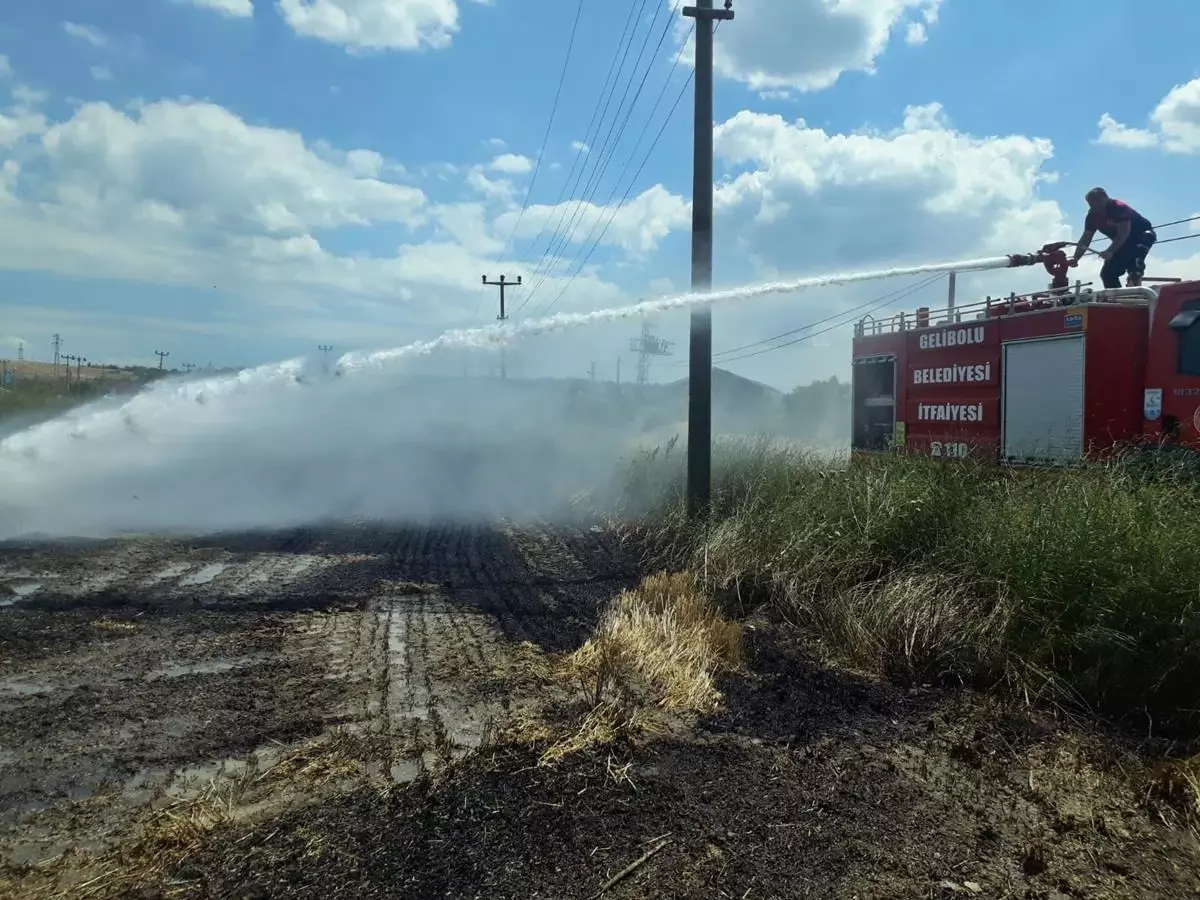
x=345, y=712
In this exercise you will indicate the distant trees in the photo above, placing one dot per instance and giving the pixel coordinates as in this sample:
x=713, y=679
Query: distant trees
x=819, y=411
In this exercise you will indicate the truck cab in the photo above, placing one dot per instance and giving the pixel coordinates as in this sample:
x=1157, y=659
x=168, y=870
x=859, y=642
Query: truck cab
x=1171, y=398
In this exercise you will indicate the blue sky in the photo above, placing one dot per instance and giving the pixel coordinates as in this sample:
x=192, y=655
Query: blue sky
x=179, y=174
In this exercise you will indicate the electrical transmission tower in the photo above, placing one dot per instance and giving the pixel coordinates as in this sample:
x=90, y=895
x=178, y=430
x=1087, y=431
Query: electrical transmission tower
x=647, y=347
x=20, y=352
x=56, y=342
x=502, y=284
x=161, y=354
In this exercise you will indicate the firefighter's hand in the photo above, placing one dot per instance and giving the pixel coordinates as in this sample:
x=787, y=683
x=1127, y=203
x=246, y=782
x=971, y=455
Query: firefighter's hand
x=1073, y=263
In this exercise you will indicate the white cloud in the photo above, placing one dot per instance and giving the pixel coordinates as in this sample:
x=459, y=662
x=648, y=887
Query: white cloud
x=5, y=67
x=495, y=143
x=235, y=9
x=1174, y=124
x=801, y=197
x=187, y=193
x=916, y=34
x=87, y=33
x=375, y=24
x=101, y=73
x=511, y=164
x=808, y=44
x=580, y=147
x=637, y=227
x=200, y=160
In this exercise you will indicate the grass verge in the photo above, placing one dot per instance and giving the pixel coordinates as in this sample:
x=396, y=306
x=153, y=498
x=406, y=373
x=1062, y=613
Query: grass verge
x=1081, y=583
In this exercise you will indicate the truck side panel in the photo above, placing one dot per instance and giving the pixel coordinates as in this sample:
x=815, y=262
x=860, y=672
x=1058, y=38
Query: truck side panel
x=1115, y=378
x=952, y=381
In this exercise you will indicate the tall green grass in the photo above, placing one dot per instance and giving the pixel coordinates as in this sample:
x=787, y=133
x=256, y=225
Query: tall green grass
x=1083, y=583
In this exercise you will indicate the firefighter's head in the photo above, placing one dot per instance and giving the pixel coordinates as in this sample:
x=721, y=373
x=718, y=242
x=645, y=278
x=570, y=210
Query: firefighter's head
x=1096, y=197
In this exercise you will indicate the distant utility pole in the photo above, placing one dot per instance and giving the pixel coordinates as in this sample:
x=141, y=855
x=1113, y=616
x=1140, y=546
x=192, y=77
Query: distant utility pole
x=699, y=447
x=56, y=342
x=502, y=284
x=325, y=350
x=647, y=347
x=20, y=352
x=68, y=359
x=187, y=367
x=161, y=354
x=618, y=369
x=592, y=372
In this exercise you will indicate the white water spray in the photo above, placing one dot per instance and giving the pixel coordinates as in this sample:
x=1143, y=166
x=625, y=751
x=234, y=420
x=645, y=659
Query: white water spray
x=281, y=444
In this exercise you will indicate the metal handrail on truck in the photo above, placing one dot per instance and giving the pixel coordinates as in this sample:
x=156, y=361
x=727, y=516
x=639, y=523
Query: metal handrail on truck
x=993, y=307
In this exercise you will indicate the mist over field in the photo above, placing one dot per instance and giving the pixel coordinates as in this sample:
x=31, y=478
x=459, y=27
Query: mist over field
x=301, y=446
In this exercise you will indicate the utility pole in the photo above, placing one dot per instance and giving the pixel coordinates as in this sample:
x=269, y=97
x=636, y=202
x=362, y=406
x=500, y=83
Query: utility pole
x=502, y=284
x=20, y=352
x=161, y=354
x=618, y=369
x=56, y=342
x=592, y=372
x=951, y=317
x=68, y=359
x=325, y=351
x=187, y=367
x=699, y=446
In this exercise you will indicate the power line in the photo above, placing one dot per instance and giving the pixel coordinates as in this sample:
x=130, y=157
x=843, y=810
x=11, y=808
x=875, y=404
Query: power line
x=596, y=156
x=605, y=157
x=890, y=297
x=572, y=180
x=604, y=161
x=537, y=163
x=877, y=305
x=594, y=245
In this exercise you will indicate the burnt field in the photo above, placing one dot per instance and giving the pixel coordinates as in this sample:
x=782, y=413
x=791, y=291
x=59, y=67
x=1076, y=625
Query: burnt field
x=365, y=712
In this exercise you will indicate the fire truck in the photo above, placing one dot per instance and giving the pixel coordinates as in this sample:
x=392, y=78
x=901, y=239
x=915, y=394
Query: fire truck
x=1053, y=377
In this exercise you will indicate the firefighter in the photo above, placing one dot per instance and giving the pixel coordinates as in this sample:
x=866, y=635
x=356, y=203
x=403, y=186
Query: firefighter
x=1132, y=237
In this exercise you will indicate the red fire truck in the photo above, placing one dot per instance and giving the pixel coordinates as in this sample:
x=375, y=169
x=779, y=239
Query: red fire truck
x=1051, y=377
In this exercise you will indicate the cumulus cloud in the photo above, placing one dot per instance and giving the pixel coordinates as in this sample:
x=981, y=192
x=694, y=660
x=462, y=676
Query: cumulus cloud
x=511, y=164
x=235, y=9
x=87, y=33
x=1174, y=124
x=637, y=227
x=808, y=45
x=376, y=24
x=800, y=196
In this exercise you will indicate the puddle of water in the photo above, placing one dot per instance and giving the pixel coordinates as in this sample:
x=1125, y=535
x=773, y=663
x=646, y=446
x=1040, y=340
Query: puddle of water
x=171, y=572
x=406, y=770
x=204, y=575
x=21, y=688
x=215, y=666
x=13, y=592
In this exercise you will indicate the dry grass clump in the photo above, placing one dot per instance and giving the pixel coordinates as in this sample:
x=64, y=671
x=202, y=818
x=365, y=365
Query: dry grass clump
x=657, y=650
x=664, y=640
x=917, y=624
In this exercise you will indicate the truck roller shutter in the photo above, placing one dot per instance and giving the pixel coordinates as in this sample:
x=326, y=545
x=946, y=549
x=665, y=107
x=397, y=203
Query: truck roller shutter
x=1043, y=400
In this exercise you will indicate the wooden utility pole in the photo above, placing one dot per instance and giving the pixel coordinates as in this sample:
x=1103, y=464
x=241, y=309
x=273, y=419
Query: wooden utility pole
x=161, y=354
x=699, y=447
x=502, y=284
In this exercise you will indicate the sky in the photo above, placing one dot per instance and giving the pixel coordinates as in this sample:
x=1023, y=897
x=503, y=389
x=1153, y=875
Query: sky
x=237, y=181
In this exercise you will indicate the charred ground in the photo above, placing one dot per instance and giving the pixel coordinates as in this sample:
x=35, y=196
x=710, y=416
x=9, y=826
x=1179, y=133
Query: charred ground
x=345, y=712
